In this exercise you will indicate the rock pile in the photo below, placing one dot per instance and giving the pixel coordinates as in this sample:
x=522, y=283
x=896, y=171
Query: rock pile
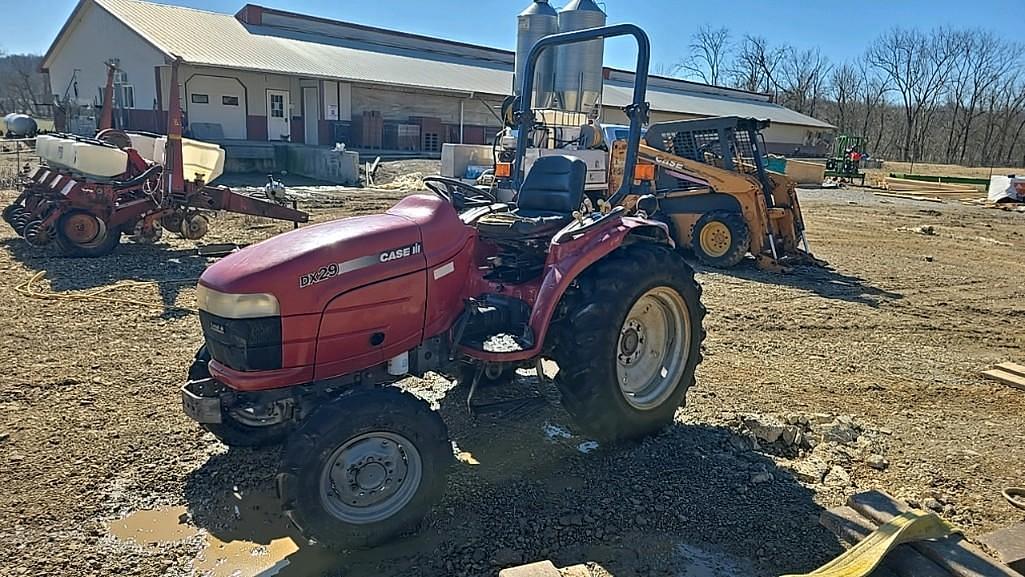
x=818, y=448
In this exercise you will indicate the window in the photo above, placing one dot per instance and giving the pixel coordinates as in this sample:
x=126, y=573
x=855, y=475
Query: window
x=277, y=106
x=229, y=100
x=432, y=142
x=201, y=99
x=127, y=96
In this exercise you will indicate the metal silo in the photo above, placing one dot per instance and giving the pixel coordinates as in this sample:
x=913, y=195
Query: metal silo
x=537, y=21
x=578, y=67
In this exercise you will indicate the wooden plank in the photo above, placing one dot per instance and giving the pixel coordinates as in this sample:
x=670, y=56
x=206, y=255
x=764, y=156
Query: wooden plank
x=1009, y=545
x=903, y=561
x=907, y=196
x=953, y=553
x=1012, y=368
x=1005, y=377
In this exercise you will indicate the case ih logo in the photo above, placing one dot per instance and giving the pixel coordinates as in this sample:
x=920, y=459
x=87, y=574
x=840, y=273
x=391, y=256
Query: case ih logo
x=334, y=269
x=398, y=253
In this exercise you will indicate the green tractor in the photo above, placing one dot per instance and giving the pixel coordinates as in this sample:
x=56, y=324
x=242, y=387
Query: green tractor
x=845, y=164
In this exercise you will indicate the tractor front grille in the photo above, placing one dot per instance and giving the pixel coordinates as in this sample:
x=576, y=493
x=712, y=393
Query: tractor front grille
x=243, y=344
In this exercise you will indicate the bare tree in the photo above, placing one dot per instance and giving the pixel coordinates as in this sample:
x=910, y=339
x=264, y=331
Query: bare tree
x=756, y=66
x=845, y=88
x=22, y=86
x=918, y=67
x=803, y=79
x=709, y=51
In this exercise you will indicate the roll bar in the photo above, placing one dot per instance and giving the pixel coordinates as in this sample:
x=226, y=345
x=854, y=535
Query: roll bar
x=637, y=111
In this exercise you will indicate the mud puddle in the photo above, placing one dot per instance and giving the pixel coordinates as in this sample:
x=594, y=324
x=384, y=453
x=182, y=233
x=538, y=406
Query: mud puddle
x=253, y=541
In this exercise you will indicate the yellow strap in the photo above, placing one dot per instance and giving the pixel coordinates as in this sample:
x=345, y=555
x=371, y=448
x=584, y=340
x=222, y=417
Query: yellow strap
x=862, y=559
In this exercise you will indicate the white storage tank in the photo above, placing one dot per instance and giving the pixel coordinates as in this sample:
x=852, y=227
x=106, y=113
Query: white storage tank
x=63, y=153
x=201, y=159
x=159, y=149
x=44, y=146
x=144, y=144
x=99, y=160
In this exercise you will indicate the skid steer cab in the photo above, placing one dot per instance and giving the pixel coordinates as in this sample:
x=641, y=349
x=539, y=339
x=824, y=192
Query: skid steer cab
x=308, y=332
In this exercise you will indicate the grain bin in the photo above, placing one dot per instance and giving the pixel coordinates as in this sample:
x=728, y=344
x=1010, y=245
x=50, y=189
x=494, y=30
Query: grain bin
x=534, y=23
x=578, y=67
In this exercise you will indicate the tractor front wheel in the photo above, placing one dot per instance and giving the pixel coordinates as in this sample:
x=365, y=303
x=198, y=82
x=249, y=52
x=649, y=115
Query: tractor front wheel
x=364, y=468
x=240, y=427
x=720, y=239
x=80, y=233
x=629, y=342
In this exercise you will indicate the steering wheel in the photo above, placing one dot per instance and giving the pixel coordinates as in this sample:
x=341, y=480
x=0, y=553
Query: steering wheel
x=460, y=194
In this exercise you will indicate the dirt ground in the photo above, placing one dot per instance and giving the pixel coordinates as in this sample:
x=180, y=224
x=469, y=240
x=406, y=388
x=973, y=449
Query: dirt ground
x=893, y=335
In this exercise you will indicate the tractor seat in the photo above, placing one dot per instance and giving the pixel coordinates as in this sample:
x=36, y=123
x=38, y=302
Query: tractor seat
x=553, y=189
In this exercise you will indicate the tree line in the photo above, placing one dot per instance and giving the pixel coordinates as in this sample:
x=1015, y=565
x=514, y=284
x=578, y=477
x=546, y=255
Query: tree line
x=945, y=95
x=22, y=85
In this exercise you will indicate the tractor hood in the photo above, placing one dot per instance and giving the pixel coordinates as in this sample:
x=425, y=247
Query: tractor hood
x=306, y=268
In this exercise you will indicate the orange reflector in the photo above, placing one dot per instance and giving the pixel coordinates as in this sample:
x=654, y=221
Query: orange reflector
x=644, y=171
x=503, y=169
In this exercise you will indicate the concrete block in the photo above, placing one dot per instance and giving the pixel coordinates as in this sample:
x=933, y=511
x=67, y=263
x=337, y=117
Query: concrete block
x=1009, y=544
x=324, y=164
x=456, y=157
x=538, y=569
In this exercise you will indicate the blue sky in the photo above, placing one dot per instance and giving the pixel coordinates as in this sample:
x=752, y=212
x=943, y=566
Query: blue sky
x=840, y=29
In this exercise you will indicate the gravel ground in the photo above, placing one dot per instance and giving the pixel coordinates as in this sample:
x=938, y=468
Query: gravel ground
x=891, y=340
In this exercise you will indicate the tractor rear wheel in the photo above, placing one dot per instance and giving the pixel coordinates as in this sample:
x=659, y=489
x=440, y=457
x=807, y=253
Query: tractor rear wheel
x=364, y=468
x=239, y=428
x=629, y=342
x=720, y=239
x=80, y=233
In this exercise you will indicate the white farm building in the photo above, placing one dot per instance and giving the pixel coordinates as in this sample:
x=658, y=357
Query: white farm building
x=270, y=75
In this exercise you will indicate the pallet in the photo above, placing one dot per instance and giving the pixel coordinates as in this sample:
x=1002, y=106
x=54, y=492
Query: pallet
x=1011, y=374
x=951, y=556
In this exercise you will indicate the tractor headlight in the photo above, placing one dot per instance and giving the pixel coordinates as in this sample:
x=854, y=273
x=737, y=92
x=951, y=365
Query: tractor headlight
x=236, y=306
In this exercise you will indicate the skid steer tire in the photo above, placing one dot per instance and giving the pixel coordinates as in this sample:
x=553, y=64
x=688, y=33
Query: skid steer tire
x=364, y=468
x=720, y=239
x=230, y=431
x=602, y=332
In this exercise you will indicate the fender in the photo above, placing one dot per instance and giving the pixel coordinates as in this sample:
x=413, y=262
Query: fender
x=567, y=259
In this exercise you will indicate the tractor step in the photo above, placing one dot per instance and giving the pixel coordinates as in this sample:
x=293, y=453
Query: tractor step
x=496, y=324
x=510, y=409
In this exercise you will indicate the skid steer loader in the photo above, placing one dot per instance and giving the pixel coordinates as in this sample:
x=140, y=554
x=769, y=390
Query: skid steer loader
x=714, y=192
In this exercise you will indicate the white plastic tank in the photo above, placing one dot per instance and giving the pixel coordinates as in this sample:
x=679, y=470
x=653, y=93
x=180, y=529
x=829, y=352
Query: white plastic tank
x=534, y=23
x=62, y=153
x=99, y=160
x=144, y=144
x=201, y=159
x=159, y=149
x=44, y=145
x=578, y=67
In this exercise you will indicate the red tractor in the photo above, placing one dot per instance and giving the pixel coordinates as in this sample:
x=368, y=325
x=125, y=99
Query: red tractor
x=307, y=332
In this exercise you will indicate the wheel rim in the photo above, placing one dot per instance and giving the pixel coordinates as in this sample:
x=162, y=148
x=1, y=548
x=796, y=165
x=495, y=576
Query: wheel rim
x=654, y=343
x=371, y=477
x=84, y=229
x=716, y=239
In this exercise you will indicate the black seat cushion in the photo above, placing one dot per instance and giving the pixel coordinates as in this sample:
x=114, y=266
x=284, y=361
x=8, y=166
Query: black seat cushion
x=554, y=185
x=553, y=189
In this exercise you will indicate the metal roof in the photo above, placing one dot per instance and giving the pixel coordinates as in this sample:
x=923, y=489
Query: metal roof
x=216, y=39
x=710, y=105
